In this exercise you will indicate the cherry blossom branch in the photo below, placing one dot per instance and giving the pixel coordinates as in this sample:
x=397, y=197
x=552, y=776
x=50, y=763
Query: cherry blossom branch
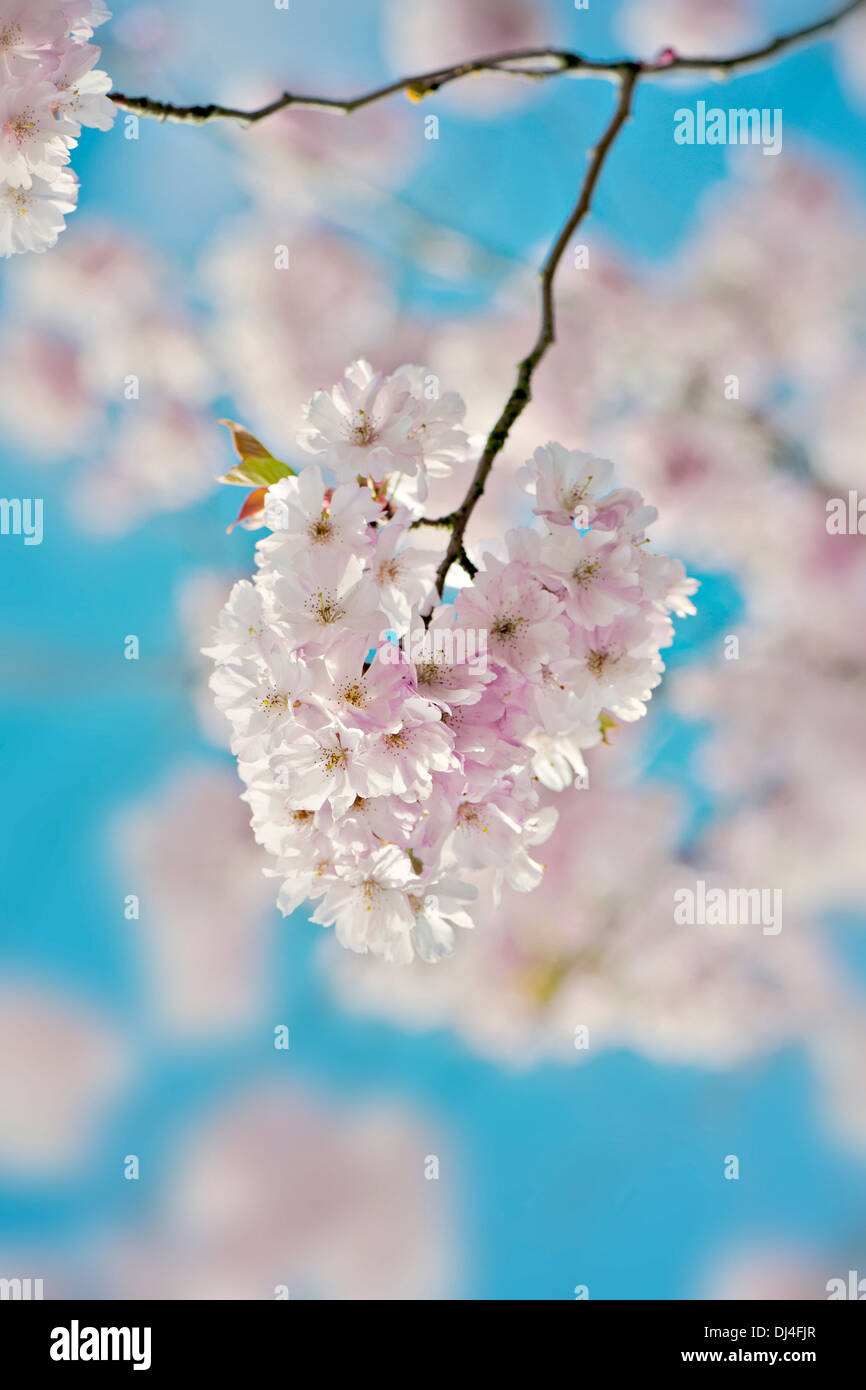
x=626, y=73
x=520, y=395
x=513, y=64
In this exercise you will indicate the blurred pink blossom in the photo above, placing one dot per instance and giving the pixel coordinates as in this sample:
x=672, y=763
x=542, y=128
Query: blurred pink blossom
x=61, y=1066
x=696, y=28
x=598, y=948
x=439, y=33
x=280, y=1190
x=204, y=929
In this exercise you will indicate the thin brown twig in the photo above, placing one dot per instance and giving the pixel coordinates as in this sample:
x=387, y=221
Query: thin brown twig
x=511, y=64
x=520, y=395
x=626, y=73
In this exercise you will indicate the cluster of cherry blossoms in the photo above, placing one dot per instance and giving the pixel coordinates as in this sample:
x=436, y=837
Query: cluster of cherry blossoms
x=49, y=88
x=393, y=745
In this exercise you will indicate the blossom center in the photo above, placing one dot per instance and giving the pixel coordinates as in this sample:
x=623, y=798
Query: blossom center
x=18, y=196
x=575, y=495
x=354, y=694
x=429, y=672
x=360, y=429
x=468, y=816
x=506, y=627
x=389, y=570
x=598, y=660
x=20, y=126
x=274, y=702
x=325, y=608
x=584, y=573
x=332, y=758
x=370, y=888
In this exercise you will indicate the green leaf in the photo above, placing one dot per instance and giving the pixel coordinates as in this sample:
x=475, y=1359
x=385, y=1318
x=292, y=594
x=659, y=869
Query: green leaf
x=257, y=467
x=256, y=473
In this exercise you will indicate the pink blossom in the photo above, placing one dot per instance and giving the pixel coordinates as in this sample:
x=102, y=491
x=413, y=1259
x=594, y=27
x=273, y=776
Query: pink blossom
x=566, y=482
x=392, y=765
x=596, y=574
x=49, y=89
x=61, y=1066
x=521, y=617
x=385, y=427
x=306, y=516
